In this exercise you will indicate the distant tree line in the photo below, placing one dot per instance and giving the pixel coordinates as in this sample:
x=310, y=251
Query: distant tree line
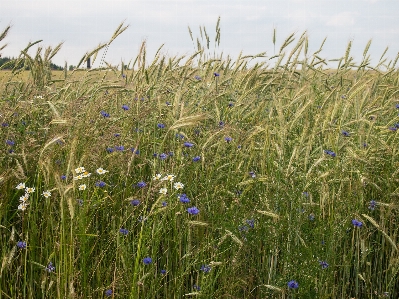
x=12, y=61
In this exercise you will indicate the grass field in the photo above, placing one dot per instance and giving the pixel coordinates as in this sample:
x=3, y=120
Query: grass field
x=201, y=179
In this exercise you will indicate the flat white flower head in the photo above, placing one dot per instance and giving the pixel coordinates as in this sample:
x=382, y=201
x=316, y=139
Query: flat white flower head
x=21, y=186
x=78, y=177
x=82, y=187
x=29, y=189
x=157, y=177
x=86, y=174
x=163, y=191
x=47, y=194
x=101, y=170
x=24, y=198
x=23, y=206
x=178, y=186
x=80, y=169
x=170, y=177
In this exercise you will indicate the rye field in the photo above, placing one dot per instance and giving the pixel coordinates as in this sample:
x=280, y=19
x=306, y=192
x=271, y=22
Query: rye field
x=266, y=176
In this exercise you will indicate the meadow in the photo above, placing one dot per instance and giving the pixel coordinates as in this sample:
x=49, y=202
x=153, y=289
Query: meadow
x=267, y=176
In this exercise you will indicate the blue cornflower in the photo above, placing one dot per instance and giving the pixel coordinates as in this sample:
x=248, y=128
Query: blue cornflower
x=196, y=158
x=80, y=202
x=393, y=128
x=221, y=124
x=231, y=104
x=228, y=139
x=357, y=223
x=331, y=153
x=120, y=148
x=21, y=244
x=161, y=126
x=365, y=145
x=372, y=205
x=292, y=284
x=163, y=156
x=164, y=203
x=63, y=177
x=170, y=154
x=306, y=194
x=193, y=210
x=183, y=198
x=196, y=287
x=135, y=202
x=168, y=104
x=141, y=184
x=50, y=267
x=188, y=144
x=124, y=231
x=311, y=217
x=345, y=133
x=105, y=114
x=110, y=149
x=4, y=124
x=397, y=106
x=155, y=155
x=216, y=74
x=108, y=293
x=179, y=136
x=323, y=264
x=251, y=222
x=163, y=271
x=125, y=107
x=205, y=268
x=252, y=174
x=100, y=184
x=10, y=142
x=197, y=78
x=147, y=260
x=117, y=135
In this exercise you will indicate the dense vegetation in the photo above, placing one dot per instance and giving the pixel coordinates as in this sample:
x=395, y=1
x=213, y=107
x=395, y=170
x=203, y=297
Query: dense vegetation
x=201, y=177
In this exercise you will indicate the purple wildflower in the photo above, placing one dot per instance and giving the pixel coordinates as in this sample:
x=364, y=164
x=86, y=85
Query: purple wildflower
x=196, y=158
x=50, y=267
x=141, y=184
x=292, y=284
x=21, y=244
x=147, y=260
x=323, y=264
x=108, y=293
x=104, y=114
x=183, y=198
x=357, y=223
x=124, y=231
x=205, y=268
x=193, y=210
x=372, y=205
x=135, y=202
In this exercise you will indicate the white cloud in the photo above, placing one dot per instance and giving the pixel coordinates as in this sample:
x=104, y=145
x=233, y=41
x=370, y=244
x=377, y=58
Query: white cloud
x=342, y=19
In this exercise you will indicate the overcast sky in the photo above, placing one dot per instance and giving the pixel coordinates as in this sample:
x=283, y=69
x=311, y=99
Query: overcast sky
x=246, y=25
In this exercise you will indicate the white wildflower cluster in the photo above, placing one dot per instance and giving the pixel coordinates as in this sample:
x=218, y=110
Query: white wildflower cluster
x=24, y=198
x=81, y=173
x=101, y=170
x=167, y=178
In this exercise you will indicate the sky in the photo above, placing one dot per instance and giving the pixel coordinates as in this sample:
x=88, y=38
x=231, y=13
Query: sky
x=246, y=25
